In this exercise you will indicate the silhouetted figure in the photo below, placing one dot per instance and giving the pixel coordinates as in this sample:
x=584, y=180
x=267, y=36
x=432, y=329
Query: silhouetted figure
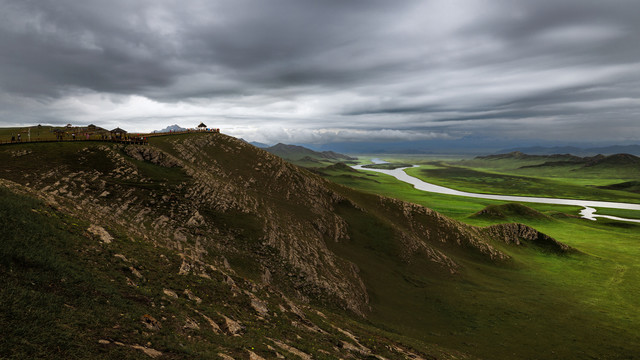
x=13, y=138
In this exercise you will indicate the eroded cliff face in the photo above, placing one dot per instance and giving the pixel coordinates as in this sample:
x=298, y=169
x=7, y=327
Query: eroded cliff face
x=109, y=297
x=200, y=199
x=212, y=197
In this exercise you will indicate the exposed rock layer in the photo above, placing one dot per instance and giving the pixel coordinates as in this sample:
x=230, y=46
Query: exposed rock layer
x=212, y=195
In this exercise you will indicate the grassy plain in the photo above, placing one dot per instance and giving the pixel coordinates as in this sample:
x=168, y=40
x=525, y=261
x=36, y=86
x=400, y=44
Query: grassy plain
x=481, y=181
x=544, y=306
x=511, y=176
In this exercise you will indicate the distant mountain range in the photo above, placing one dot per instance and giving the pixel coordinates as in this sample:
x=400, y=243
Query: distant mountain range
x=170, y=128
x=605, y=150
x=295, y=152
x=258, y=144
x=469, y=145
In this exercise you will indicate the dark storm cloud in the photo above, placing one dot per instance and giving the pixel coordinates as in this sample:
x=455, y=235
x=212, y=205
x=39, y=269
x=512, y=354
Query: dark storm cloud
x=321, y=69
x=49, y=46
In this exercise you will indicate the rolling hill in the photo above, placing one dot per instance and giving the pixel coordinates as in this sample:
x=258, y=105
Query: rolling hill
x=204, y=246
x=577, y=151
x=528, y=157
x=625, y=165
x=295, y=152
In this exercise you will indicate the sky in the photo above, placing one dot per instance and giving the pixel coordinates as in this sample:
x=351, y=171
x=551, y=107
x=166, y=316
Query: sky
x=305, y=71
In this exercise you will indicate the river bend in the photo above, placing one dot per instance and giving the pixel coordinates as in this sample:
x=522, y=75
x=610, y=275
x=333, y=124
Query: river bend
x=588, y=212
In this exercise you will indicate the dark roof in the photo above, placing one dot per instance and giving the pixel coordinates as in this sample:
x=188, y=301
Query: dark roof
x=118, y=130
x=202, y=125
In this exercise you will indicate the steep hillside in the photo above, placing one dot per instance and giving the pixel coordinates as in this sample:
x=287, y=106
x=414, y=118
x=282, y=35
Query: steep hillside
x=208, y=207
x=70, y=289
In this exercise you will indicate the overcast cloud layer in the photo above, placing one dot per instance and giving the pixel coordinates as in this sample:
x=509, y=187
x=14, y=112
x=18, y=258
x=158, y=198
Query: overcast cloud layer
x=318, y=71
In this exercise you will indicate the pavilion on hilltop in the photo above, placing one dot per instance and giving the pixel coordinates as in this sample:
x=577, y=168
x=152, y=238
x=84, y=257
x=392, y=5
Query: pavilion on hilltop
x=118, y=133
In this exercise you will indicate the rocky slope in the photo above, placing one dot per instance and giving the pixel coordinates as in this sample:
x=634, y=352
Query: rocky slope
x=228, y=211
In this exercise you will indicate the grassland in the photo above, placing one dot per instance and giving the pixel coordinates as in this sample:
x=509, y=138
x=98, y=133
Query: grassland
x=514, y=176
x=537, y=305
x=46, y=133
x=592, y=170
x=576, y=307
x=389, y=166
x=37, y=132
x=482, y=181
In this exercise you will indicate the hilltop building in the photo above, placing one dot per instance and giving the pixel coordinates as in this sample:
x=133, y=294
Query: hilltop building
x=118, y=133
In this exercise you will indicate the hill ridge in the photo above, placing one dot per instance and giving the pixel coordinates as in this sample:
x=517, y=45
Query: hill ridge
x=296, y=152
x=219, y=207
x=577, y=151
x=599, y=160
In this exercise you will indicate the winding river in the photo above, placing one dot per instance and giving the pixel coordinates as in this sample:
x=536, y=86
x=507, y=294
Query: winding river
x=587, y=213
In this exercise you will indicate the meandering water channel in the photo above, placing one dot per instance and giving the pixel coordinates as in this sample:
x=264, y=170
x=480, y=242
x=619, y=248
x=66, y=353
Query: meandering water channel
x=589, y=211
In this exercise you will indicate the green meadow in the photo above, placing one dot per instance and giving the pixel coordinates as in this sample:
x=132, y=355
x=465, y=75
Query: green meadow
x=609, y=182
x=579, y=306
x=37, y=132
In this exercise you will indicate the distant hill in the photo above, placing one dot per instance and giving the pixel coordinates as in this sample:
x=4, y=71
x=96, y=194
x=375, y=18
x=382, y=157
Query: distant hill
x=259, y=144
x=613, y=160
x=605, y=150
x=601, y=161
x=255, y=143
x=295, y=152
x=522, y=156
x=626, y=164
x=170, y=128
